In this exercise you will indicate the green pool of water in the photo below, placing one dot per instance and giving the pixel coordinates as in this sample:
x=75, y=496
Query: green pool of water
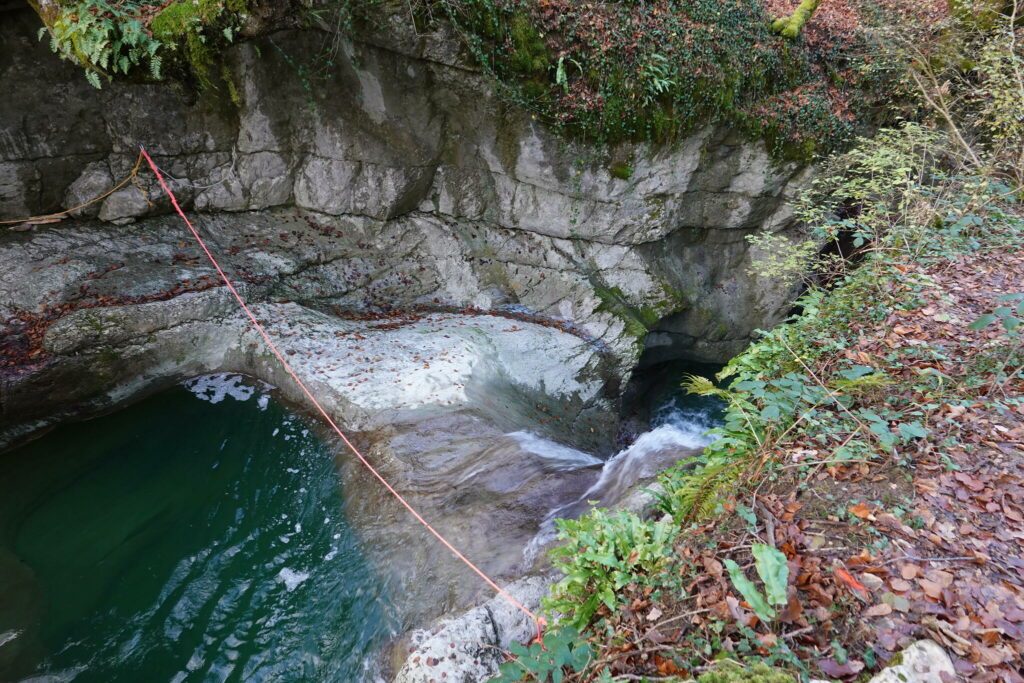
x=195, y=536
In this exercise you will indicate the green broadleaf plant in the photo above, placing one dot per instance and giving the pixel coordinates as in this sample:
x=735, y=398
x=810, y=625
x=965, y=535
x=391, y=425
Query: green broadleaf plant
x=773, y=571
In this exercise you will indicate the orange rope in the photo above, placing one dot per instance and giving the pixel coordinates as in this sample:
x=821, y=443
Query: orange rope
x=540, y=621
x=60, y=215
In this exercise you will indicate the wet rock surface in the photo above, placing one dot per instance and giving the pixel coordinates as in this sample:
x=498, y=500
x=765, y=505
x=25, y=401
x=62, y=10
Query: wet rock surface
x=430, y=396
x=103, y=313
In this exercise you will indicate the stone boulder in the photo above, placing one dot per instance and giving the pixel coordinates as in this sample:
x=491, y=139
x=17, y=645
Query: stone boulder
x=124, y=206
x=94, y=182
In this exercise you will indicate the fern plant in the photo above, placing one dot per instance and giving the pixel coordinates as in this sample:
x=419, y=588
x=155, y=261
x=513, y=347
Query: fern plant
x=693, y=494
x=105, y=39
x=758, y=410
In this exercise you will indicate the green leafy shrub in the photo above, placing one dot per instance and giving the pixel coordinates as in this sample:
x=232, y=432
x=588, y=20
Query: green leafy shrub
x=563, y=649
x=651, y=71
x=891, y=194
x=602, y=552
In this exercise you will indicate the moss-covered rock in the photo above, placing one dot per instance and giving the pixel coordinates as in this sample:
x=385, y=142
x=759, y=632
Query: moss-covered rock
x=621, y=170
x=790, y=27
x=192, y=29
x=731, y=672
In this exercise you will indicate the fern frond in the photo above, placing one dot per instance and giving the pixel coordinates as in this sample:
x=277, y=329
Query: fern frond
x=700, y=493
x=859, y=385
x=702, y=386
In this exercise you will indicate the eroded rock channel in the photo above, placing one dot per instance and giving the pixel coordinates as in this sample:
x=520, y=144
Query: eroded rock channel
x=452, y=282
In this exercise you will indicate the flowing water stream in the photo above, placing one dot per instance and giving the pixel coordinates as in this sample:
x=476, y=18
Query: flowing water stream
x=205, y=534
x=678, y=425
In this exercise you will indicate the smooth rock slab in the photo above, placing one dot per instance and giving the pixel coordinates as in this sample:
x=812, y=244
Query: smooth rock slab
x=471, y=646
x=430, y=360
x=923, y=662
x=366, y=372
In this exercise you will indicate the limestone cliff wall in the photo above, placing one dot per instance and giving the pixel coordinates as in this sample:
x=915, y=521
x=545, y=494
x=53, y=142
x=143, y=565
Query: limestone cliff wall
x=399, y=136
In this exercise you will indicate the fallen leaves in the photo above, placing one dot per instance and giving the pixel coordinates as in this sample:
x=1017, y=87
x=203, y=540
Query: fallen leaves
x=860, y=511
x=834, y=669
x=910, y=571
x=880, y=610
x=855, y=586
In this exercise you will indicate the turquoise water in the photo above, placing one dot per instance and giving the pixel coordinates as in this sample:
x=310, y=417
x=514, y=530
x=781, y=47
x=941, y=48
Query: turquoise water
x=195, y=536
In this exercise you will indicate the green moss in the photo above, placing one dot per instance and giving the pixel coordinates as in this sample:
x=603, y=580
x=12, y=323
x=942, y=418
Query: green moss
x=621, y=170
x=530, y=55
x=192, y=28
x=730, y=672
x=184, y=17
x=94, y=322
x=662, y=124
x=637, y=319
x=229, y=82
x=790, y=27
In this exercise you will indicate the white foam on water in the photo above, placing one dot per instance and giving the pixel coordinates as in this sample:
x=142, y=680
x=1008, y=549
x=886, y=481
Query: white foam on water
x=8, y=636
x=291, y=578
x=561, y=456
x=63, y=676
x=373, y=670
x=215, y=388
x=674, y=431
x=630, y=464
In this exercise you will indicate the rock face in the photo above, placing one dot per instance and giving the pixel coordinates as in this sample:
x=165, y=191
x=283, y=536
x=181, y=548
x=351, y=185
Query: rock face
x=431, y=398
x=471, y=646
x=100, y=313
x=402, y=135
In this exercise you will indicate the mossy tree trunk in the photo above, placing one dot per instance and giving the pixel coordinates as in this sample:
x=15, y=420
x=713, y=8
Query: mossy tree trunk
x=790, y=27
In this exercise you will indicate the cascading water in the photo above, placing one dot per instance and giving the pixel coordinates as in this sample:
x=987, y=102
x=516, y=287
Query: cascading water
x=679, y=428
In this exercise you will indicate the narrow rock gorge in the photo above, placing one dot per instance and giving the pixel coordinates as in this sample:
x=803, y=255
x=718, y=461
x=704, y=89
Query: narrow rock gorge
x=443, y=269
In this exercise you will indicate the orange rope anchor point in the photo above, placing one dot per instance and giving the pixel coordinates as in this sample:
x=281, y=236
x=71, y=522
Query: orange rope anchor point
x=540, y=621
